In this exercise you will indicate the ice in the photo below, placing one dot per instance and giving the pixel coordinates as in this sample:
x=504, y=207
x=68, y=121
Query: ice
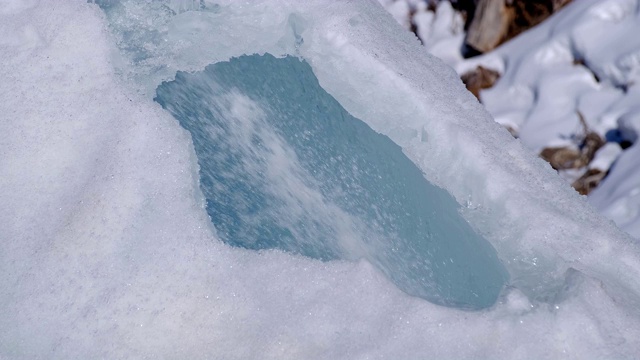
x=283, y=165
x=107, y=251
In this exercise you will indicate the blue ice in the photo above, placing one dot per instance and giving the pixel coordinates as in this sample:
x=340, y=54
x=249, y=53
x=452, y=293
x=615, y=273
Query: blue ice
x=283, y=165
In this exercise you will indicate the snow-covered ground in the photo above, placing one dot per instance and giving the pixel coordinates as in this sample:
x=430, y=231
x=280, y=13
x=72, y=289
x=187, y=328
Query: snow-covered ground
x=585, y=60
x=107, y=251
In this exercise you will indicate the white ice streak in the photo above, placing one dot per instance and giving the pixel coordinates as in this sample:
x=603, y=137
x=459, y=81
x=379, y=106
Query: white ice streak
x=295, y=189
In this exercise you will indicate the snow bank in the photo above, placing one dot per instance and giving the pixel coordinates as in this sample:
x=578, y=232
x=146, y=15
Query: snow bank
x=582, y=60
x=106, y=249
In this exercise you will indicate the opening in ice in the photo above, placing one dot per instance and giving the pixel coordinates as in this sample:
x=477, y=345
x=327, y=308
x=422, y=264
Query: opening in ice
x=283, y=165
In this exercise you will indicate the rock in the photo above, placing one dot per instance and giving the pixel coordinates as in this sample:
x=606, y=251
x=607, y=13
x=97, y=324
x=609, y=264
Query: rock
x=478, y=79
x=565, y=158
x=591, y=142
x=589, y=181
x=598, y=168
x=496, y=21
x=562, y=158
x=490, y=25
x=529, y=13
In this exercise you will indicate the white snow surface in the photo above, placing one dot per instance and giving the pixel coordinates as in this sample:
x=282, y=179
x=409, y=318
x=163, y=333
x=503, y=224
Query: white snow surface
x=106, y=249
x=544, y=86
x=542, y=90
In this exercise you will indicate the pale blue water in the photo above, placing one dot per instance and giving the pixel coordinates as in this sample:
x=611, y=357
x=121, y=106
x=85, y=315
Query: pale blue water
x=283, y=165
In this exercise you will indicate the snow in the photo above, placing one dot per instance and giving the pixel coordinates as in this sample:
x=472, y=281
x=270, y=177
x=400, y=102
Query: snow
x=541, y=62
x=617, y=197
x=441, y=31
x=602, y=35
x=584, y=59
x=605, y=156
x=107, y=250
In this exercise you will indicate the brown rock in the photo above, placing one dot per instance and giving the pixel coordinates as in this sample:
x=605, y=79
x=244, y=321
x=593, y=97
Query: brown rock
x=478, y=79
x=591, y=141
x=589, y=181
x=496, y=21
x=562, y=158
x=490, y=25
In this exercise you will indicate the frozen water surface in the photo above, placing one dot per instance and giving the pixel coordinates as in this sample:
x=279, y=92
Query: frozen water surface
x=283, y=165
x=107, y=249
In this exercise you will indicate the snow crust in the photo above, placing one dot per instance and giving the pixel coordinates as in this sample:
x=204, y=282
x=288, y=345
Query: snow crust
x=106, y=249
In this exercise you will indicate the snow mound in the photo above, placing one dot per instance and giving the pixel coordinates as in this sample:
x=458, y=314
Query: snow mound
x=581, y=62
x=107, y=250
